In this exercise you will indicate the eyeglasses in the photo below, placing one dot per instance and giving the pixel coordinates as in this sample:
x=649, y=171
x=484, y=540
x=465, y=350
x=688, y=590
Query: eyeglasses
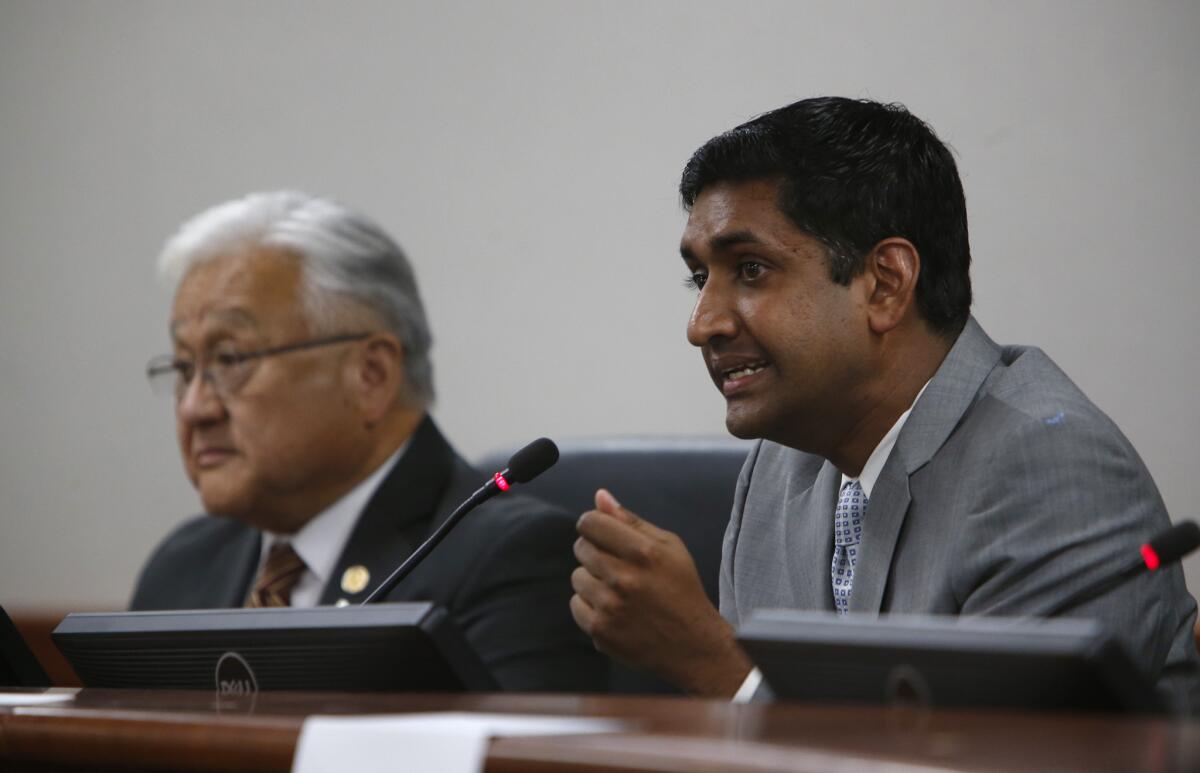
x=227, y=370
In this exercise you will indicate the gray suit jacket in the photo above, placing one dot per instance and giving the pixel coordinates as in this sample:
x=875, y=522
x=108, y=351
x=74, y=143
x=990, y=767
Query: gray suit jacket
x=1007, y=491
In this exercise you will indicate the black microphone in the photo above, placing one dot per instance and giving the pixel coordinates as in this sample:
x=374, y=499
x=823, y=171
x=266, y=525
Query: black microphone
x=1162, y=551
x=1172, y=545
x=523, y=466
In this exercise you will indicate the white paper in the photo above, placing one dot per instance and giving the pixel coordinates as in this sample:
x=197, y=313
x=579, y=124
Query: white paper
x=444, y=742
x=34, y=698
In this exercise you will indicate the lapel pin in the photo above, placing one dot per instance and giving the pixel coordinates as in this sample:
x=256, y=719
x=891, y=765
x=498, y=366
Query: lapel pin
x=355, y=579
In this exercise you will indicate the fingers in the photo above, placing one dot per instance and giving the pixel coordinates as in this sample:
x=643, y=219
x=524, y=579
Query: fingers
x=613, y=536
x=597, y=562
x=583, y=613
x=591, y=589
x=591, y=597
x=592, y=607
x=607, y=503
x=616, y=530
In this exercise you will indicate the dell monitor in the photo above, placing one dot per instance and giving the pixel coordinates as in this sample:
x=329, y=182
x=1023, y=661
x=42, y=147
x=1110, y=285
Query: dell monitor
x=381, y=647
x=928, y=661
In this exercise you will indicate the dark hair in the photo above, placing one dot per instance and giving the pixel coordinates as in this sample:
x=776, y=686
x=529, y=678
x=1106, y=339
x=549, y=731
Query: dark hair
x=852, y=173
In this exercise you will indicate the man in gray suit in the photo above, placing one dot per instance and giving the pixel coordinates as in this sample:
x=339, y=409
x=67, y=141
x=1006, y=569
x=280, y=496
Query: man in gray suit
x=906, y=463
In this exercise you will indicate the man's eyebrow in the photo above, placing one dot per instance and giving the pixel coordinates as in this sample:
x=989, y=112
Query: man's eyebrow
x=723, y=242
x=233, y=317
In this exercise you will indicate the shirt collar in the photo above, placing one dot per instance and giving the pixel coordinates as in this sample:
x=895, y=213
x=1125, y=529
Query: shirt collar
x=320, y=542
x=878, y=458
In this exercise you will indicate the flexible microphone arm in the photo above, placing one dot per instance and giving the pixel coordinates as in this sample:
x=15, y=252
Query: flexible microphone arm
x=525, y=465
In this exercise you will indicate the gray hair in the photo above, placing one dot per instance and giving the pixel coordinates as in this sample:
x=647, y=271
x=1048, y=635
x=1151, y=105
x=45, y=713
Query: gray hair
x=344, y=256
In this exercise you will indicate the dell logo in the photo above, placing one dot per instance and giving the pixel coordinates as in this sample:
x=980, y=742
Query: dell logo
x=235, y=687
x=234, y=677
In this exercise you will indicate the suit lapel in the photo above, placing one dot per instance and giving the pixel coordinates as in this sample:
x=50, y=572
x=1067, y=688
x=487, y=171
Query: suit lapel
x=950, y=394
x=240, y=555
x=886, y=510
x=810, y=540
x=947, y=398
x=398, y=515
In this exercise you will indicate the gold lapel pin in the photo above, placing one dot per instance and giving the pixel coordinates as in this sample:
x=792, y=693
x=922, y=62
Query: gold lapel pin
x=355, y=579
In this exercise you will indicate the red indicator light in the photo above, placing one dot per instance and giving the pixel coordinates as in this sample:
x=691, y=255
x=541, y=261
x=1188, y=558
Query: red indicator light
x=501, y=483
x=1150, y=557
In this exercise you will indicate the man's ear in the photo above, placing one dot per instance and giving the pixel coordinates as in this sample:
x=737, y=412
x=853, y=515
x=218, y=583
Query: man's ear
x=377, y=375
x=892, y=267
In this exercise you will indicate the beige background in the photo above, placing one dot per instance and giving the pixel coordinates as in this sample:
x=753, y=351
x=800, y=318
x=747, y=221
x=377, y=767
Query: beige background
x=526, y=155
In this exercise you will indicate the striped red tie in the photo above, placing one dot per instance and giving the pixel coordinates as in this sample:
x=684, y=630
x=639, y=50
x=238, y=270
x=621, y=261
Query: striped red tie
x=279, y=575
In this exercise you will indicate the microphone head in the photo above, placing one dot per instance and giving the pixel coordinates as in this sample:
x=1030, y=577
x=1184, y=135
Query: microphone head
x=1176, y=542
x=532, y=460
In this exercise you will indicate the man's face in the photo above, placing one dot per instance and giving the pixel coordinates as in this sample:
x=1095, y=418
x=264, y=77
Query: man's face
x=285, y=443
x=785, y=345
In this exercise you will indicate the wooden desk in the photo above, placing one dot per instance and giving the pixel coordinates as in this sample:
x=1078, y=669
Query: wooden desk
x=142, y=730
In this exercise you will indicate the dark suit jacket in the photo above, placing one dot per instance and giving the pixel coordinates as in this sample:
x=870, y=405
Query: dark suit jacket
x=1007, y=492
x=503, y=572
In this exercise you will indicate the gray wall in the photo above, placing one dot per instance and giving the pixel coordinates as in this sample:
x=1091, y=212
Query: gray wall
x=526, y=155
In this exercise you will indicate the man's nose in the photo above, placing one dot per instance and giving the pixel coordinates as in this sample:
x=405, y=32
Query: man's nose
x=199, y=401
x=712, y=317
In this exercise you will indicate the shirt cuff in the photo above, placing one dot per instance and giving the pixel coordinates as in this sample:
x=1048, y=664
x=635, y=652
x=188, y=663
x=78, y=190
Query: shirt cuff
x=750, y=686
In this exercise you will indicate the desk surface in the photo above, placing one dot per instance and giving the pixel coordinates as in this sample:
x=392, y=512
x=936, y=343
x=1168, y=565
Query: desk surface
x=116, y=729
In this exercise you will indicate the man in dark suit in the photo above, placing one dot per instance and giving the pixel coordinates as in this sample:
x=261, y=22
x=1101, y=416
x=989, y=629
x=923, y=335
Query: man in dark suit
x=906, y=463
x=302, y=380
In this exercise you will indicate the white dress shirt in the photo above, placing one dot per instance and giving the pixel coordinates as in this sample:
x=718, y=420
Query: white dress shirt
x=321, y=541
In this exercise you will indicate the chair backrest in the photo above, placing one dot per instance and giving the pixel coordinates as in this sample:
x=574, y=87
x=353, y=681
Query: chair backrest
x=684, y=485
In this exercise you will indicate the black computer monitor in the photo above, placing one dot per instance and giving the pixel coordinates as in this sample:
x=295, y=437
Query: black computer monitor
x=18, y=665
x=1020, y=663
x=382, y=647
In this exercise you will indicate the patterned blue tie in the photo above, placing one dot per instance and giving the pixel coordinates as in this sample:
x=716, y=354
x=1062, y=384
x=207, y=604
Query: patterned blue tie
x=847, y=533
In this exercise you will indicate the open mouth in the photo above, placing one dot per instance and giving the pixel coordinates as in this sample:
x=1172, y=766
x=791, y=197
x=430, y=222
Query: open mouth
x=742, y=371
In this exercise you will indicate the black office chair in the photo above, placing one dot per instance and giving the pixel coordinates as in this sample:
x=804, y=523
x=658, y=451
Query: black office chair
x=684, y=485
